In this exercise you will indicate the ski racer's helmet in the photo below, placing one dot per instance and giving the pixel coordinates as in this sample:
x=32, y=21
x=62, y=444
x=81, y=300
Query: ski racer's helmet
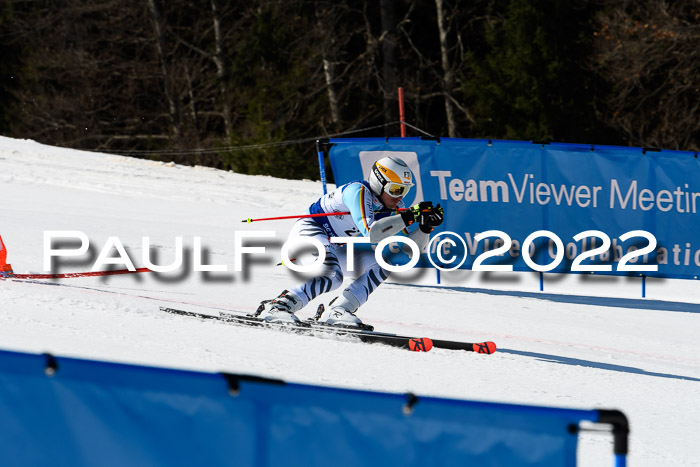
x=390, y=175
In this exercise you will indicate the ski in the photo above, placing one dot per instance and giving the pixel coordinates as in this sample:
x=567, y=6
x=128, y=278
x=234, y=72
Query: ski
x=312, y=327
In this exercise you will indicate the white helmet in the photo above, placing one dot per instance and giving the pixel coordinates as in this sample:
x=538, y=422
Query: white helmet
x=390, y=175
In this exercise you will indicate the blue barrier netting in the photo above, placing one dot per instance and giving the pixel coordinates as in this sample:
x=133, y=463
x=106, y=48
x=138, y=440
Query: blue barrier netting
x=72, y=412
x=522, y=187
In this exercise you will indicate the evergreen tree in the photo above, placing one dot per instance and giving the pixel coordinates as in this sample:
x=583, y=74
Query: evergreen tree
x=528, y=81
x=11, y=70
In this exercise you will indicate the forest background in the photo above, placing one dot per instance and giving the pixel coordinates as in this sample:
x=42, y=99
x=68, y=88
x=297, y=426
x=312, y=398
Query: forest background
x=249, y=85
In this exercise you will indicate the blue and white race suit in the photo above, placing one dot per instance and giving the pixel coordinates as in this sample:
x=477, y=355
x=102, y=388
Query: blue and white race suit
x=365, y=208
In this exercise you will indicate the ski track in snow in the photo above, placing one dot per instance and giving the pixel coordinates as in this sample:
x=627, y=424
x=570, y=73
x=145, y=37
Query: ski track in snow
x=641, y=356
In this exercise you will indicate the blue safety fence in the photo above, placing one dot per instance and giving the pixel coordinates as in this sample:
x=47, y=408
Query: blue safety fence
x=522, y=188
x=57, y=411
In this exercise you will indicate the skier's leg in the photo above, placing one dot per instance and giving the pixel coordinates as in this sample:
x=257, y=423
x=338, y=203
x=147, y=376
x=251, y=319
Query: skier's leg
x=342, y=310
x=331, y=277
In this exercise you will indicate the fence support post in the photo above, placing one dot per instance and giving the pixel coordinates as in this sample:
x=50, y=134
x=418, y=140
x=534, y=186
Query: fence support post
x=322, y=162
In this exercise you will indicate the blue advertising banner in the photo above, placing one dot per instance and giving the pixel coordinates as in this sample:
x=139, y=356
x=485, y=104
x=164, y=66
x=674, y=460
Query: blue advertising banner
x=72, y=412
x=574, y=208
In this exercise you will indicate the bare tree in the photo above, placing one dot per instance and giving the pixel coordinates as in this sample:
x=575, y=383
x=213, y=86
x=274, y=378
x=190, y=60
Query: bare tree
x=173, y=104
x=649, y=53
x=326, y=23
x=447, y=74
x=220, y=61
x=389, y=43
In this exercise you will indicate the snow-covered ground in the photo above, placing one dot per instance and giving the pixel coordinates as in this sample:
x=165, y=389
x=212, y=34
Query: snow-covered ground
x=585, y=342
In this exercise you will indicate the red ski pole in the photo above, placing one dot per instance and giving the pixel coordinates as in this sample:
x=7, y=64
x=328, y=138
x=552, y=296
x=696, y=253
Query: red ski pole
x=302, y=216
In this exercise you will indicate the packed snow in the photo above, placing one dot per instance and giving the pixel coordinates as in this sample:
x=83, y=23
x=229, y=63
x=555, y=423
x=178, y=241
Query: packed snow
x=584, y=342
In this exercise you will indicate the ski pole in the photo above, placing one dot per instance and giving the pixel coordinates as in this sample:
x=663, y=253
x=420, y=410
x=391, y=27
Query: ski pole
x=302, y=216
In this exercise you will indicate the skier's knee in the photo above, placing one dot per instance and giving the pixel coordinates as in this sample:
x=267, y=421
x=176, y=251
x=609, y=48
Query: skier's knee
x=335, y=279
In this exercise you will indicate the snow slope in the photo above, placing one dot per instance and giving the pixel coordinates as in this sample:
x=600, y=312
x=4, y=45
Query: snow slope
x=569, y=346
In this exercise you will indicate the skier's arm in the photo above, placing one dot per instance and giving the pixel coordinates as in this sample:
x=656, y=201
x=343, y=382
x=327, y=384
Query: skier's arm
x=420, y=238
x=427, y=217
x=359, y=202
x=384, y=228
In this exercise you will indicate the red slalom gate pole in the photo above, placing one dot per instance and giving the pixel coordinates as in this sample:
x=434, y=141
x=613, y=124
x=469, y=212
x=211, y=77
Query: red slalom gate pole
x=70, y=275
x=402, y=116
x=7, y=273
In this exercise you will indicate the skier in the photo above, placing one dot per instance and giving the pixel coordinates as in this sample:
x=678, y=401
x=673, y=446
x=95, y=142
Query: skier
x=371, y=204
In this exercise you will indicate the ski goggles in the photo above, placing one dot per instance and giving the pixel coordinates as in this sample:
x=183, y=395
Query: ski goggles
x=397, y=190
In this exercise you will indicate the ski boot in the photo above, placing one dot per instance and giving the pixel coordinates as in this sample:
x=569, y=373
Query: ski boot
x=341, y=313
x=280, y=309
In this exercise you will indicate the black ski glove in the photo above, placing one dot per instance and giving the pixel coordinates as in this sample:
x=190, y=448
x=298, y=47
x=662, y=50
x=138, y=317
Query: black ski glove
x=430, y=218
x=413, y=213
x=427, y=215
